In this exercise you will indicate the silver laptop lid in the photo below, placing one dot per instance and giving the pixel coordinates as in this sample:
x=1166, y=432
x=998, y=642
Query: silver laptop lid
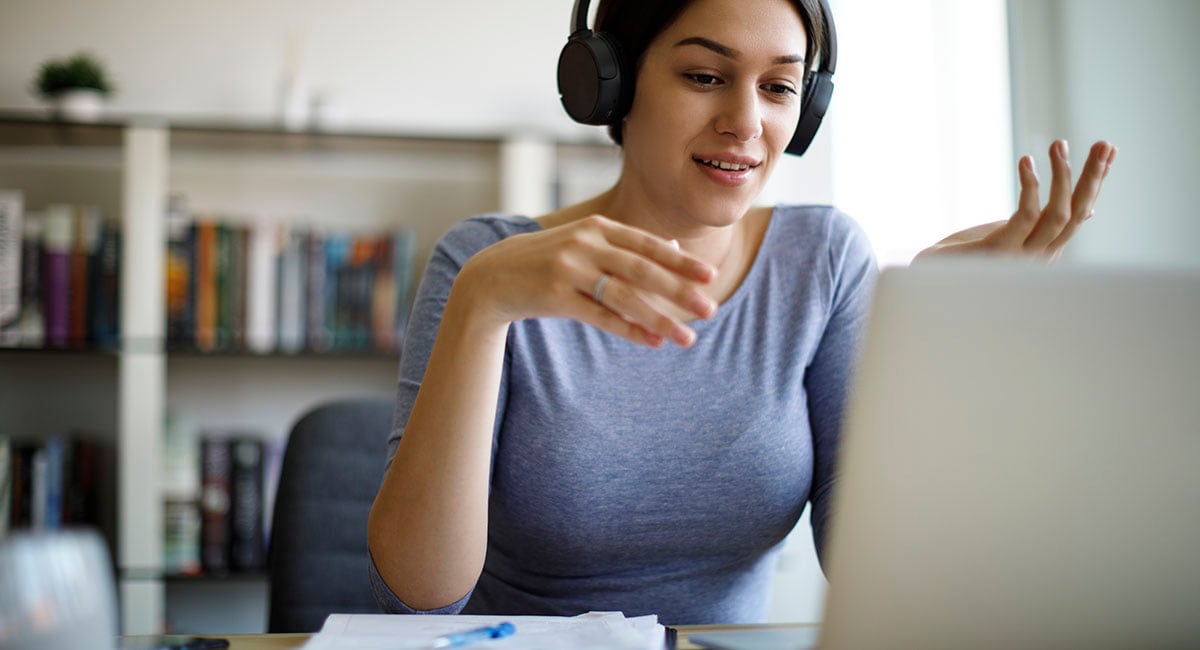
x=1021, y=462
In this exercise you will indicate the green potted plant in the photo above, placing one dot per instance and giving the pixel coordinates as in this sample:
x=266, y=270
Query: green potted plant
x=76, y=87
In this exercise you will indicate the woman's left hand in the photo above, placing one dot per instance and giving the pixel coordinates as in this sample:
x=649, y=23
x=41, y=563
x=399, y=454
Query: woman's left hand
x=1034, y=230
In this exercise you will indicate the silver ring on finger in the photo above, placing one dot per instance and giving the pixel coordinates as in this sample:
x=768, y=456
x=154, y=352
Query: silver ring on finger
x=598, y=288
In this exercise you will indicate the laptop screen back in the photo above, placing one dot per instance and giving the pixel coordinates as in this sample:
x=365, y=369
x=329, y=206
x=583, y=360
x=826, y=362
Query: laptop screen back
x=1020, y=465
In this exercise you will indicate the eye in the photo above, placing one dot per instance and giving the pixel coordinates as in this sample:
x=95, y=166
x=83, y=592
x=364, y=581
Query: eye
x=701, y=79
x=781, y=90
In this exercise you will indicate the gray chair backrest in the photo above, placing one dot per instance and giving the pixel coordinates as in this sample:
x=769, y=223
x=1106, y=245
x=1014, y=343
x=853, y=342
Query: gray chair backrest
x=318, y=556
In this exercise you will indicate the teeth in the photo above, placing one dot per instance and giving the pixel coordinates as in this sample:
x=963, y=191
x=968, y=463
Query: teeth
x=727, y=166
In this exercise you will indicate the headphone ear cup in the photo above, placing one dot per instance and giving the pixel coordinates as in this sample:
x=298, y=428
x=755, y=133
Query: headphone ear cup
x=815, y=102
x=590, y=79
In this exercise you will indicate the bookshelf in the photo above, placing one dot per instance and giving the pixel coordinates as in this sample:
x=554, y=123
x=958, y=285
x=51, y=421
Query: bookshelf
x=245, y=172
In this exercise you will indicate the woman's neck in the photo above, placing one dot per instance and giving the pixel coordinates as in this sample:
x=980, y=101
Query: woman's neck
x=717, y=245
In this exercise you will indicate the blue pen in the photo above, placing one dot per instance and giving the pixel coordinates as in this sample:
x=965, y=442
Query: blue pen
x=461, y=639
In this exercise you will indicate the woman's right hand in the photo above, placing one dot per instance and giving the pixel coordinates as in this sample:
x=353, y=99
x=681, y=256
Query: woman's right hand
x=553, y=273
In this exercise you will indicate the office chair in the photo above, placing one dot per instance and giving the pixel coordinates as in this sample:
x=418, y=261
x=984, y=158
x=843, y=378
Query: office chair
x=318, y=556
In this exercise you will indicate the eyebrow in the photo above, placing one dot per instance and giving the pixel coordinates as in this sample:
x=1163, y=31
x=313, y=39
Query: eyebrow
x=730, y=53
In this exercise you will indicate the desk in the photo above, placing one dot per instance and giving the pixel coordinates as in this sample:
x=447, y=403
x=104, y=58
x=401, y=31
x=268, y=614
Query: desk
x=292, y=641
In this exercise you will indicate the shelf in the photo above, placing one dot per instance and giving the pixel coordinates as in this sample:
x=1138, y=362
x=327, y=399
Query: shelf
x=60, y=352
x=217, y=578
x=15, y=127
x=185, y=353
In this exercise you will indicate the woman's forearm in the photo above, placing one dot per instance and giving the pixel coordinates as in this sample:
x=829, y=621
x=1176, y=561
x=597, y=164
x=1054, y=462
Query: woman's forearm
x=428, y=526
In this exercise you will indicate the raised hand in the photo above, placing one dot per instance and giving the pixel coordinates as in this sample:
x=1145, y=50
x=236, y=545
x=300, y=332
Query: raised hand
x=558, y=273
x=1034, y=230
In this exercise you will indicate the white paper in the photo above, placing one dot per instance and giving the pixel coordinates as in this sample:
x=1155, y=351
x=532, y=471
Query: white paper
x=591, y=631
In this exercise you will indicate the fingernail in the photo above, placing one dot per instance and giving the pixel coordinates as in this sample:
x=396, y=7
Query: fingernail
x=1063, y=150
x=674, y=243
x=685, y=335
x=702, y=306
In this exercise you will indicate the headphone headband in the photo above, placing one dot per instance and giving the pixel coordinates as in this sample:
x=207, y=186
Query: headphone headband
x=579, y=17
x=594, y=90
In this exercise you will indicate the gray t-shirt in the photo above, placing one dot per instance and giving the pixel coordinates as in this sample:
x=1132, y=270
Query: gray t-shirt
x=660, y=481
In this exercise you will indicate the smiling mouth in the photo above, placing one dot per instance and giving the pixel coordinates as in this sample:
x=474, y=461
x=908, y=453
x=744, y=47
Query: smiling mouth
x=724, y=166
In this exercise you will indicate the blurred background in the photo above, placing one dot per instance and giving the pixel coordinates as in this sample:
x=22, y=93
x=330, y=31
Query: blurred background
x=935, y=101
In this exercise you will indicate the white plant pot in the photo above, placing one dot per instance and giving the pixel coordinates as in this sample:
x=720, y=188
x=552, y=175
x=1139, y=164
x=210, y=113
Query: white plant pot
x=80, y=105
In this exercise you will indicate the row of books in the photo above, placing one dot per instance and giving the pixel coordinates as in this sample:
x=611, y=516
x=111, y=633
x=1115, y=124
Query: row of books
x=229, y=287
x=49, y=485
x=59, y=275
x=270, y=287
x=220, y=527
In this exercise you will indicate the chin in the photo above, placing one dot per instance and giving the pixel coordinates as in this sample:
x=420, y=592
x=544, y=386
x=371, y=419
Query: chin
x=718, y=213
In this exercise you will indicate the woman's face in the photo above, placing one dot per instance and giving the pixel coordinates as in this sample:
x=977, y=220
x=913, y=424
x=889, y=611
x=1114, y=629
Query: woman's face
x=720, y=87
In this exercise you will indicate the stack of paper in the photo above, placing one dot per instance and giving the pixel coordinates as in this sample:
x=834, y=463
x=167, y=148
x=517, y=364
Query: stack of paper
x=591, y=631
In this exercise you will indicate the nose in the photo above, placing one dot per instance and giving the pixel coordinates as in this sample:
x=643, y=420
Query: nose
x=740, y=114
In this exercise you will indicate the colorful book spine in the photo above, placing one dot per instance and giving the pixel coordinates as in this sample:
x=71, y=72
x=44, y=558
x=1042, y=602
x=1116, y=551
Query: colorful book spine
x=11, y=231
x=83, y=252
x=178, y=281
x=383, y=299
x=335, y=322
x=206, y=286
x=56, y=274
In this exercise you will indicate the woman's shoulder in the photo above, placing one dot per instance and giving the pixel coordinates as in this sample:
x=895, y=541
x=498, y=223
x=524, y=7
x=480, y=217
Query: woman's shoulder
x=818, y=228
x=475, y=233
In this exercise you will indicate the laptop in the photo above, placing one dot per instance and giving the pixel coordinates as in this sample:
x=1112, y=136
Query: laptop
x=1020, y=464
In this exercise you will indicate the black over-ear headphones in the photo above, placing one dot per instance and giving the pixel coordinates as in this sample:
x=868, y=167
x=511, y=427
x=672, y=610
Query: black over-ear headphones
x=594, y=82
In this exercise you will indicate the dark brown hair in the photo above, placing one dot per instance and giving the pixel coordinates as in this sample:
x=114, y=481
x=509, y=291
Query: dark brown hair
x=635, y=23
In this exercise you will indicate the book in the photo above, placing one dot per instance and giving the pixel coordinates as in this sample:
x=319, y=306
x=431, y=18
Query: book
x=83, y=254
x=178, y=280
x=56, y=273
x=38, y=472
x=383, y=299
x=216, y=475
x=225, y=289
x=11, y=232
x=81, y=488
x=238, y=244
x=291, y=311
x=181, y=537
x=205, y=285
x=106, y=287
x=337, y=292
x=315, y=300
x=54, y=455
x=247, y=550
x=404, y=250
x=6, y=481
x=181, y=491
x=31, y=329
x=21, y=468
x=260, y=291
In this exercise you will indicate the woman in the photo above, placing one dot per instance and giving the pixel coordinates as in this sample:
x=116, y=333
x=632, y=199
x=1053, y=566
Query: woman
x=552, y=454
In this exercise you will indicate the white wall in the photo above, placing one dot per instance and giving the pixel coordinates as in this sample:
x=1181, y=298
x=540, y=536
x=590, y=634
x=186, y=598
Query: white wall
x=451, y=65
x=1126, y=72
